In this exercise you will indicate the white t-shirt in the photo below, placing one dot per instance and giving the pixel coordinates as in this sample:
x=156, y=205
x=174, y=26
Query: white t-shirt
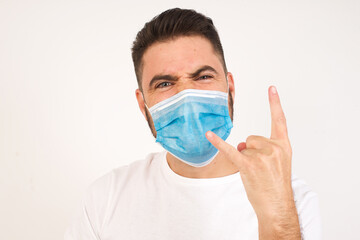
x=147, y=200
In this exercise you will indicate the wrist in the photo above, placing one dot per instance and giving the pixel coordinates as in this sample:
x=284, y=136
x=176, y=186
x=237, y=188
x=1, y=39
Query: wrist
x=277, y=210
x=282, y=223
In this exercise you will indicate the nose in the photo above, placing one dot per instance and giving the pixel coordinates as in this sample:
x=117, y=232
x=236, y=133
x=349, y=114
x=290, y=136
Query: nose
x=184, y=85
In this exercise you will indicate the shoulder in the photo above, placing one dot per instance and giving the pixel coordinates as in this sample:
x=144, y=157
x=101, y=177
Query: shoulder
x=301, y=189
x=307, y=205
x=124, y=174
x=98, y=200
x=303, y=194
x=99, y=195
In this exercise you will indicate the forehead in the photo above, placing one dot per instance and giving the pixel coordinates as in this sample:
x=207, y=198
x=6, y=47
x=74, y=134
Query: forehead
x=179, y=56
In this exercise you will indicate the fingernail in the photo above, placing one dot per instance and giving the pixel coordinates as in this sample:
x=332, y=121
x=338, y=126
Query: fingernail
x=209, y=134
x=273, y=89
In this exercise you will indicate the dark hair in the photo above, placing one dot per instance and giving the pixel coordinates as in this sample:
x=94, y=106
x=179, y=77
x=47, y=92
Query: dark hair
x=170, y=24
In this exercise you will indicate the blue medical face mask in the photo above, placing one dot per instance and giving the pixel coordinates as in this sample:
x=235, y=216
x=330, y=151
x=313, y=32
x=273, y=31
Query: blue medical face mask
x=182, y=120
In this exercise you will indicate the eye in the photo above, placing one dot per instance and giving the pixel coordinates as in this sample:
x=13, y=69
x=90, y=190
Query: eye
x=163, y=84
x=204, y=77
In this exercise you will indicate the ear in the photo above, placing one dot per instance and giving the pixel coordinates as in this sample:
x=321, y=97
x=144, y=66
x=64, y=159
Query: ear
x=230, y=80
x=141, y=102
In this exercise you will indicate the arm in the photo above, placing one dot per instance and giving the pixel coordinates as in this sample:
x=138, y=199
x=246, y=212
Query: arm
x=81, y=228
x=284, y=225
x=265, y=168
x=89, y=222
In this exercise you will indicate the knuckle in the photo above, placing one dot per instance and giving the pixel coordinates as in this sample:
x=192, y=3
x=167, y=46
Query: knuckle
x=227, y=151
x=259, y=155
x=281, y=119
x=251, y=140
x=289, y=149
x=276, y=150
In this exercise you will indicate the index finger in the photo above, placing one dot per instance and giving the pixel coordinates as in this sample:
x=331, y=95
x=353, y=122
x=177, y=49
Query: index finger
x=278, y=121
x=229, y=151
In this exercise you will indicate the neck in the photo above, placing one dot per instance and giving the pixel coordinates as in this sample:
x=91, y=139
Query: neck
x=219, y=167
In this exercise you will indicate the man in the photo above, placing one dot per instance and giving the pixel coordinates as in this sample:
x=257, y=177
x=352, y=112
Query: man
x=200, y=187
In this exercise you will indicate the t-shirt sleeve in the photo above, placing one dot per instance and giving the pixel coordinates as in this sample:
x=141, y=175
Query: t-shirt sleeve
x=88, y=223
x=307, y=204
x=81, y=228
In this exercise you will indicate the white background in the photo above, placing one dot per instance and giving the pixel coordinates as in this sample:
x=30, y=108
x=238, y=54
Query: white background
x=68, y=112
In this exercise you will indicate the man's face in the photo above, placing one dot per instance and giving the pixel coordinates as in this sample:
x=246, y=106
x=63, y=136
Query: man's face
x=175, y=65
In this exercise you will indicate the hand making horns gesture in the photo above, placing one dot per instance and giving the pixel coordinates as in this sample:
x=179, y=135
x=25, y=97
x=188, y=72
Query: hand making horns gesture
x=265, y=168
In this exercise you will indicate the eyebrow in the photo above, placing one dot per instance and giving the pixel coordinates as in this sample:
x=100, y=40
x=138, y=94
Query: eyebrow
x=202, y=69
x=175, y=78
x=162, y=77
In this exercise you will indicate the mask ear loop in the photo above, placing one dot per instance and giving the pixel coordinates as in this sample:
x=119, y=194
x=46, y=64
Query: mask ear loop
x=227, y=83
x=145, y=101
